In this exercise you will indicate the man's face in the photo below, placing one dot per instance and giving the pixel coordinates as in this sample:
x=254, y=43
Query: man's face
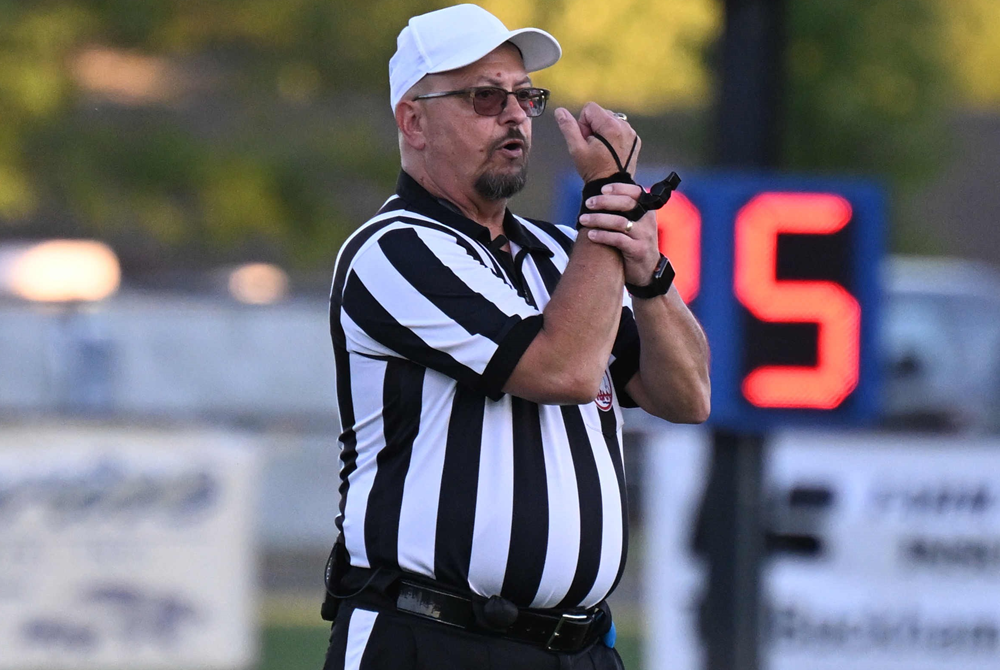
x=488, y=154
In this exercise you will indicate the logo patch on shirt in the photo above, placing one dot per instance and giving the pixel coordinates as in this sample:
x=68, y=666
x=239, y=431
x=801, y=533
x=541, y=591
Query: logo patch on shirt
x=604, y=394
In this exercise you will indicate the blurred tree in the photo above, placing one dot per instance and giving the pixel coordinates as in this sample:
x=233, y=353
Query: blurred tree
x=868, y=92
x=189, y=132
x=631, y=55
x=164, y=127
x=973, y=33
x=867, y=86
x=193, y=131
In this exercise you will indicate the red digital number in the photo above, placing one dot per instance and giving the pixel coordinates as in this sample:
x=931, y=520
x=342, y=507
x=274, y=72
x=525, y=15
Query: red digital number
x=679, y=238
x=825, y=303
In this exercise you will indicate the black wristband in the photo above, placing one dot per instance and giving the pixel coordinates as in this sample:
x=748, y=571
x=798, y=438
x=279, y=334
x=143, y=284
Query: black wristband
x=592, y=188
x=656, y=198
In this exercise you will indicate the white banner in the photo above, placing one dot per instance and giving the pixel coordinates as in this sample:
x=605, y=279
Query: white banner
x=126, y=549
x=891, y=556
x=905, y=571
x=677, y=460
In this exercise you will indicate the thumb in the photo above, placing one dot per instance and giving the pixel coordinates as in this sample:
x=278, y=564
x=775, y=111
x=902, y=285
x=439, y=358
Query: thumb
x=570, y=129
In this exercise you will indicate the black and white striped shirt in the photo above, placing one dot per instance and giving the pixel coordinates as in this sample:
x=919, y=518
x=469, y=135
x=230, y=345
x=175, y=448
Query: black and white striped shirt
x=442, y=474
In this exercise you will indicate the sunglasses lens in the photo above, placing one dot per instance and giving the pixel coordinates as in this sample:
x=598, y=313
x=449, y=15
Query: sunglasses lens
x=489, y=101
x=532, y=101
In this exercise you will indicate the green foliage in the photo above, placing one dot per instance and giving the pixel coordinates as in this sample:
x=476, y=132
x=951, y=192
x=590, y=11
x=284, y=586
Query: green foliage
x=162, y=126
x=866, y=87
x=867, y=93
x=974, y=50
x=202, y=131
x=632, y=55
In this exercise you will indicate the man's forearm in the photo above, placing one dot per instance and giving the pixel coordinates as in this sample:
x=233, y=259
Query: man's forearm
x=585, y=309
x=673, y=381
x=566, y=361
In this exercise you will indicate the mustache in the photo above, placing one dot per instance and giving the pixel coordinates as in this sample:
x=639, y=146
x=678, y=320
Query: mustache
x=512, y=134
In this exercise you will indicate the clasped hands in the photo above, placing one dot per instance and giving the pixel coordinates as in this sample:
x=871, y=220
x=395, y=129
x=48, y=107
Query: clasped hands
x=637, y=241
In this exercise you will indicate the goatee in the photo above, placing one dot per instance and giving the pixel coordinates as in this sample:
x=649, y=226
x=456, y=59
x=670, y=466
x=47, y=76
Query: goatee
x=500, y=186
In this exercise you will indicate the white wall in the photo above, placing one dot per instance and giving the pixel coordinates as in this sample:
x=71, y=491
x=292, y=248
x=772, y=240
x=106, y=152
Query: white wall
x=169, y=355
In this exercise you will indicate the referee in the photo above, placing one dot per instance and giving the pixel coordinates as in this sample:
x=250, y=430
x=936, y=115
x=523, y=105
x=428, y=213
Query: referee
x=482, y=363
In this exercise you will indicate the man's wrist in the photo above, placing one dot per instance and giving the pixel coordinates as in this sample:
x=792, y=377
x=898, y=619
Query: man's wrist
x=593, y=188
x=603, y=173
x=659, y=283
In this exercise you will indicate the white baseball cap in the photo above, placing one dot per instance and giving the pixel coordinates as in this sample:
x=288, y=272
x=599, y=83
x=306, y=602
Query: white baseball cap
x=453, y=37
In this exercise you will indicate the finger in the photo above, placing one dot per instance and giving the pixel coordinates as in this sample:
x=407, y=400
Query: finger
x=587, y=116
x=593, y=113
x=638, y=149
x=609, y=238
x=604, y=122
x=618, y=188
x=570, y=129
x=616, y=203
x=609, y=222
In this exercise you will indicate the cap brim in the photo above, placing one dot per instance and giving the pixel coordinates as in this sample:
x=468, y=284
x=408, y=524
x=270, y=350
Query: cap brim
x=539, y=50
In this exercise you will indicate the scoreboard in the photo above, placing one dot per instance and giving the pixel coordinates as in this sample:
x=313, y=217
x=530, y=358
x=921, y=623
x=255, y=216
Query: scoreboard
x=783, y=273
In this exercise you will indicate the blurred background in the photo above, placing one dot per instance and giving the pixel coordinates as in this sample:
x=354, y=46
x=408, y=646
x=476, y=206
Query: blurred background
x=176, y=178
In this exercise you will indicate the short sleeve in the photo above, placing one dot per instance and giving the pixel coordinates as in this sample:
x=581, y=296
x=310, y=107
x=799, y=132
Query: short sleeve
x=625, y=354
x=433, y=297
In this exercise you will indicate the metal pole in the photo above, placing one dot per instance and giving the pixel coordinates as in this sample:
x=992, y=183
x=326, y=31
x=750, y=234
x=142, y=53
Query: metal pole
x=752, y=82
x=730, y=530
x=731, y=537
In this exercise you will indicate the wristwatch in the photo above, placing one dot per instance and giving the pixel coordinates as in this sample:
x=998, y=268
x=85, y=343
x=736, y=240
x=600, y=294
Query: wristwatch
x=659, y=284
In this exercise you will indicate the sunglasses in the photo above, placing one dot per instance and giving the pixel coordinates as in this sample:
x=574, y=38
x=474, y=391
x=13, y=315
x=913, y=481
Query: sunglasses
x=491, y=100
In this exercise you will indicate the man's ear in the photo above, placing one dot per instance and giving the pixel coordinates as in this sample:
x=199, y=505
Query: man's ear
x=410, y=121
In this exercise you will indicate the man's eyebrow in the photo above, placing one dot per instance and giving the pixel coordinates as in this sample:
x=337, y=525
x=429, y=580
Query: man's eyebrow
x=492, y=81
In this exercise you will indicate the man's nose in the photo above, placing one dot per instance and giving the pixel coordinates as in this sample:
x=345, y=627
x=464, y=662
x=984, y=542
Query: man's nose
x=512, y=112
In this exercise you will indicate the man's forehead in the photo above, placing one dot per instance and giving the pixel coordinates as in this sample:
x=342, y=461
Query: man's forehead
x=496, y=67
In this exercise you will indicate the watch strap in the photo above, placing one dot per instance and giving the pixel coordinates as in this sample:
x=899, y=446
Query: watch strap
x=659, y=283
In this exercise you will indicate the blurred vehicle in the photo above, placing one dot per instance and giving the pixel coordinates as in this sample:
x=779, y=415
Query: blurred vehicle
x=941, y=345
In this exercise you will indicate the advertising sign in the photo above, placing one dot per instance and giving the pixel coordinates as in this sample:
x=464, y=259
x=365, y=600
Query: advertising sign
x=894, y=552
x=126, y=549
x=885, y=551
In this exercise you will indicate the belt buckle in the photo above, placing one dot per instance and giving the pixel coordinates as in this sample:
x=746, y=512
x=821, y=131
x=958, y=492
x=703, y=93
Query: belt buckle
x=557, y=631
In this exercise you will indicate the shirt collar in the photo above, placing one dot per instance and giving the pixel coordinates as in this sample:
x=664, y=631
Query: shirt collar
x=419, y=200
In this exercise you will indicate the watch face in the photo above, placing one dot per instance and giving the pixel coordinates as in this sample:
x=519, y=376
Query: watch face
x=661, y=267
x=668, y=273
x=663, y=277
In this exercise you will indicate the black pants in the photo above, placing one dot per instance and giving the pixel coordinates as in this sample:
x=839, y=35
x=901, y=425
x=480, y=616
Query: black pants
x=363, y=639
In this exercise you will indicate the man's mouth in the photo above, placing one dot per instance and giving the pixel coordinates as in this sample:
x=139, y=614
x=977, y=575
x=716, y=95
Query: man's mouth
x=512, y=149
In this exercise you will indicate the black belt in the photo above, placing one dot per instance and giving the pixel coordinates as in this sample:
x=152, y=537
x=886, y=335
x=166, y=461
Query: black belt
x=568, y=631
